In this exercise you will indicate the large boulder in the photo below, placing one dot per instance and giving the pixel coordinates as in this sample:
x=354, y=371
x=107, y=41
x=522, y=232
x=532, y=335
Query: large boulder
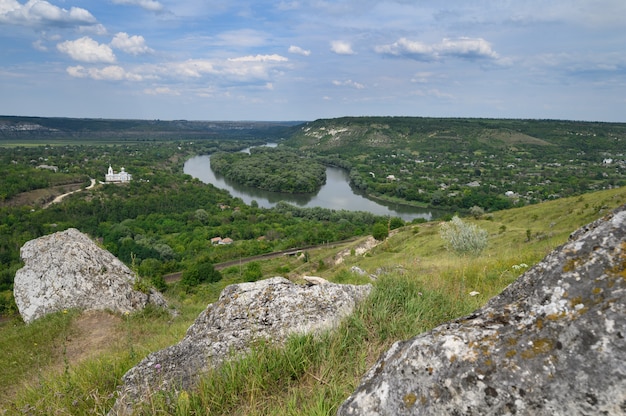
x=68, y=270
x=551, y=344
x=271, y=309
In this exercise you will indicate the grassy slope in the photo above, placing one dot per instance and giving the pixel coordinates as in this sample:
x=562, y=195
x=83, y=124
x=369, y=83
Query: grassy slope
x=420, y=285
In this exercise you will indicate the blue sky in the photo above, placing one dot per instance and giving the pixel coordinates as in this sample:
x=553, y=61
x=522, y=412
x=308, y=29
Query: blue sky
x=303, y=60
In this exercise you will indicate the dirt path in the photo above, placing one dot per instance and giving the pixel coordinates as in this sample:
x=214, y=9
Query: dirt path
x=60, y=197
x=93, y=332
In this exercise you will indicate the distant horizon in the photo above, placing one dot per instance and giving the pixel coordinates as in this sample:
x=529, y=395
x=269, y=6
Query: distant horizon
x=297, y=60
x=309, y=120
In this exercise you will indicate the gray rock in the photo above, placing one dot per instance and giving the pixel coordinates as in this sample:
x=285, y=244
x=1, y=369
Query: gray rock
x=553, y=343
x=271, y=309
x=68, y=270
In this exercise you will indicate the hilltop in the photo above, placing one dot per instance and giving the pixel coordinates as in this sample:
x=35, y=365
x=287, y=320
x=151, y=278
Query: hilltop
x=419, y=284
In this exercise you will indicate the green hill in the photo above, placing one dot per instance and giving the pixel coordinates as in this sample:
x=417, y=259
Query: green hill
x=71, y=364
x=460, y=163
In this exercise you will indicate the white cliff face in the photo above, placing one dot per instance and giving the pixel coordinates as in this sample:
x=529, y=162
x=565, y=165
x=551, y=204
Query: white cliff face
x=68, y=270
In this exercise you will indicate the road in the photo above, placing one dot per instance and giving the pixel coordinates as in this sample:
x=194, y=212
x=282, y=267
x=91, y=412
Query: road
x=60, y=197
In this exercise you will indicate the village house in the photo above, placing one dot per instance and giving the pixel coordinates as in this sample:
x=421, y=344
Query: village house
x=221, y=241
x=121, y=177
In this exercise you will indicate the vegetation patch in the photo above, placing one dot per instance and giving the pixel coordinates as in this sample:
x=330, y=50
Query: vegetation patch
x=276, y=170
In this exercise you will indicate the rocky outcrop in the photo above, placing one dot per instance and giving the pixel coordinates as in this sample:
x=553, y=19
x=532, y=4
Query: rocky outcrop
x=68, y=270
x=553, y=343
x=271, y=309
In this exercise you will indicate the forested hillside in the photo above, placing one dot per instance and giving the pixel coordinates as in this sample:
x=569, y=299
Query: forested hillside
x=460, y=163
x=42, y=130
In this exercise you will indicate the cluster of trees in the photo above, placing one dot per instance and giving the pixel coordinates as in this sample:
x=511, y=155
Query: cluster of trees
x=277, y=170
x=21, y=171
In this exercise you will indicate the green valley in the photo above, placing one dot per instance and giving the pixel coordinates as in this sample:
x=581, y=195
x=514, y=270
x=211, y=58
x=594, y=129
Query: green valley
x=527, y=184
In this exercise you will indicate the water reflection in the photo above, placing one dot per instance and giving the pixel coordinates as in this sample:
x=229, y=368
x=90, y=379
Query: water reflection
x=336, y=193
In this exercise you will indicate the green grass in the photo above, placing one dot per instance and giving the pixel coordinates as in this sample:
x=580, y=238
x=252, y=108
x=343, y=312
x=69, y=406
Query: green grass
x=419, y=285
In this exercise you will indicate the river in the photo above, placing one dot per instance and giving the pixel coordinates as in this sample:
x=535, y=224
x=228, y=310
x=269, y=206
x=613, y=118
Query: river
x=336, y=193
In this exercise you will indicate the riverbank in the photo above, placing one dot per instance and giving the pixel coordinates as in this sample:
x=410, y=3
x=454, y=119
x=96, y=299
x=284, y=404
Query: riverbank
x=336, y=194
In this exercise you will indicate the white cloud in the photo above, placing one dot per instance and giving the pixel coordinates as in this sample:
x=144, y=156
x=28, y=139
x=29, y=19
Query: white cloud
x=341, y=47
x=97, y=29
x=245, y=68
x=433, y=92
x=467, y=48
x=245, y=38
x=38, y=12
x=288, y=5
x=86, y=49
x=349, y=83
x=150, y=5
x=161, y=91
x=38, y=44
x=134, y=45
x=299, y=51
x=108, y=73
x=463, y=47
x=404, y=46
x=423, y=77
x=260, y=58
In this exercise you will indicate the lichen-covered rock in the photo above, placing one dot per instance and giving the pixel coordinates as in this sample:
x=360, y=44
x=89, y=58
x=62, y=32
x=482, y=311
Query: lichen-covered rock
x=551, y=344
x=271, y=309
x=68, y=270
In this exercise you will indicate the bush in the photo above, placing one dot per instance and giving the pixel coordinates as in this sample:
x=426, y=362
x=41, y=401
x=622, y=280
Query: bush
x=477, y=212
x=380, y=231
x=199, y=273
x=463, y=238
x=253, y=272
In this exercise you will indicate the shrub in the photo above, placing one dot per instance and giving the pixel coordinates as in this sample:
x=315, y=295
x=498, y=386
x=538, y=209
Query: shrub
x=477, y=212
x=380, y=231
x=463, y=238
x=199, y=273
x=252, y=272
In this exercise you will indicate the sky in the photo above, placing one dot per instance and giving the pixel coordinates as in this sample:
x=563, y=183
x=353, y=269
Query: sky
x=304, y=60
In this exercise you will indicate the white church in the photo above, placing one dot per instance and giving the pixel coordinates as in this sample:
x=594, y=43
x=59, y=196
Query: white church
x=121, y=177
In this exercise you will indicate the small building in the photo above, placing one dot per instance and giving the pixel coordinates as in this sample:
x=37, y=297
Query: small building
x=121, y=177
x=221, y=241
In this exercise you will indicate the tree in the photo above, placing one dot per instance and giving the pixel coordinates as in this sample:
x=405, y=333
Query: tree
x=199, y=273
x=380, y=231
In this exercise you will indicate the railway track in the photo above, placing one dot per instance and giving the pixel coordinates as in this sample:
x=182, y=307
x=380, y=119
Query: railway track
x=174, y=277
